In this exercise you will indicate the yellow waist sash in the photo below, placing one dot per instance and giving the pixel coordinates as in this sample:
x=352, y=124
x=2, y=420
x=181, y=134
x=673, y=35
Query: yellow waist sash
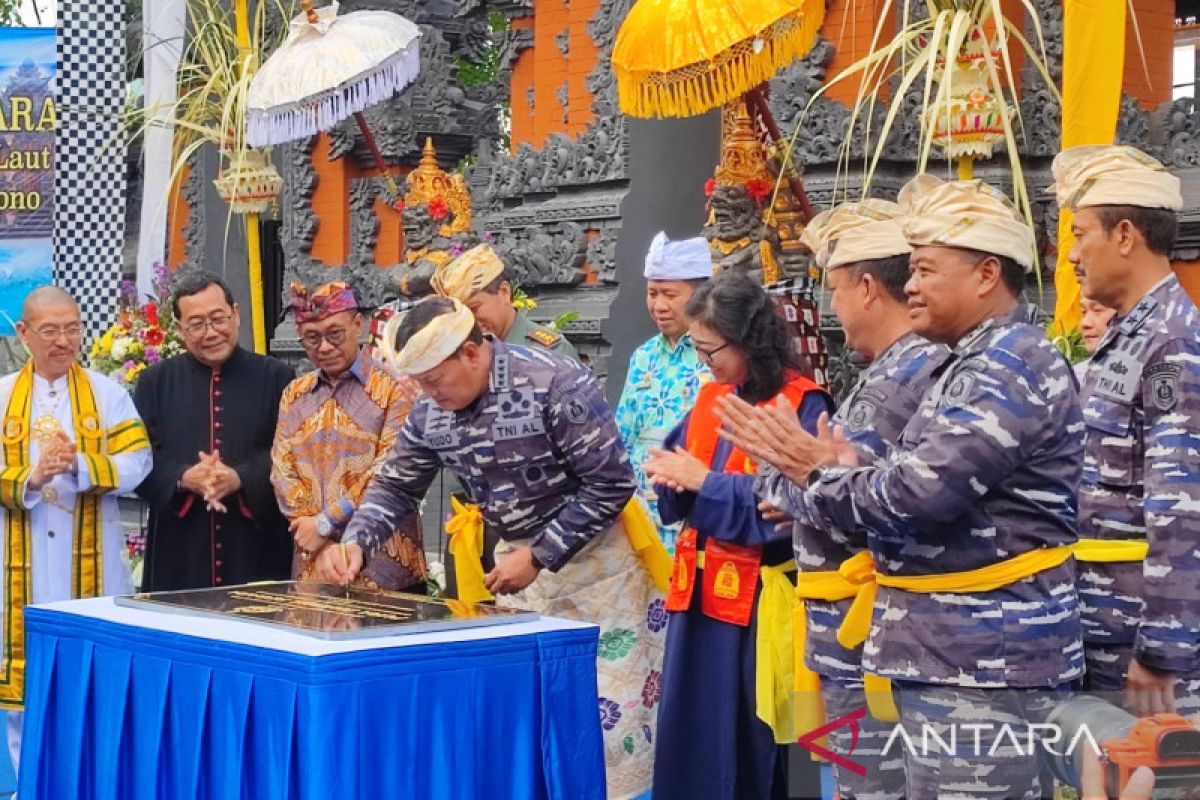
x=1110, y=551
x=465, y=529
x=774, y=651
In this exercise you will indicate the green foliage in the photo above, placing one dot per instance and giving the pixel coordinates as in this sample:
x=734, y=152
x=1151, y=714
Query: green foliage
x=487, y=69
x=1071, y=346
x=10, y=13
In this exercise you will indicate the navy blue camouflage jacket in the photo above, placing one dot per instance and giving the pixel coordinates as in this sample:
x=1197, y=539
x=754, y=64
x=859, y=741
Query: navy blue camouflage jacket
x=1141, y=480
x=539, y=452
x=987, y=469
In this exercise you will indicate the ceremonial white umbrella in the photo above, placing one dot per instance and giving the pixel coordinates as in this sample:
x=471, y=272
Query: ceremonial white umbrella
x=330, y=68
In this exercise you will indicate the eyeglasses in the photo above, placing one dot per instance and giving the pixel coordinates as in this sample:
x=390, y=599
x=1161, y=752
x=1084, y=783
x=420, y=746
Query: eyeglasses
x=198, y=327
x=51, y=333
x=707, y=355
x=312, y=340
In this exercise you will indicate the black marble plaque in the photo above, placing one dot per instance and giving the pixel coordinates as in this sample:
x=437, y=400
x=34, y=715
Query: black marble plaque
x=327, y=611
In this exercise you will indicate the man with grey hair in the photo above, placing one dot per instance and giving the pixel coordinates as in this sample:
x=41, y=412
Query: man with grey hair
x=72, y=441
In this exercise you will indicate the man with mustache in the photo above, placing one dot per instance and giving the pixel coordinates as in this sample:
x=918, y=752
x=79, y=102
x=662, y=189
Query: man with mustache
x=1139, y=500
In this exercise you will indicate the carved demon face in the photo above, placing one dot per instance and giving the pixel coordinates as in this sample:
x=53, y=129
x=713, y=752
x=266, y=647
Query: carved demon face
x=420, y=229
x=734, y=211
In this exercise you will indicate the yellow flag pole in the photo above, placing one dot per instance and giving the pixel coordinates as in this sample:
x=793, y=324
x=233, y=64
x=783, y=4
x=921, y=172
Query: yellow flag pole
x=1093, y=67
x=253, y=250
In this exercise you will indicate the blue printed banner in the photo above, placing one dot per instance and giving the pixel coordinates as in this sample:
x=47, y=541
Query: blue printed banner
x=28, y=117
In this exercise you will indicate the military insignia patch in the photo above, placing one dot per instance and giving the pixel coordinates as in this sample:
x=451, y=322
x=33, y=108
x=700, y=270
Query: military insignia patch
x=861, y=415
x=545, y=338
x=959, y=388
x=575, y=409
x=1164, y=385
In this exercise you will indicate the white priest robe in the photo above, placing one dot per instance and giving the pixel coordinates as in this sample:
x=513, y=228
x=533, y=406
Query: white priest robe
x=68, y=536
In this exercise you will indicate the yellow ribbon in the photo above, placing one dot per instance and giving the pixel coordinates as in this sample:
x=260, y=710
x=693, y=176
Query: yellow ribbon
x=774, y=653
x=465, y=529
x=1109, y=551
x=645, y=541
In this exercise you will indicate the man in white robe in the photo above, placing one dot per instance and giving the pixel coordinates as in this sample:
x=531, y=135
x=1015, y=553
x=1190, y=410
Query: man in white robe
x=71, y=442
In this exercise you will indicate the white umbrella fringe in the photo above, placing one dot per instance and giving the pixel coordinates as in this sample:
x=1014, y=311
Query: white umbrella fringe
x=320, y=112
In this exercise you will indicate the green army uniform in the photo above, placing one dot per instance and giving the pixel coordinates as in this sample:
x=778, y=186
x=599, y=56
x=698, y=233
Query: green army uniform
x=528, y=333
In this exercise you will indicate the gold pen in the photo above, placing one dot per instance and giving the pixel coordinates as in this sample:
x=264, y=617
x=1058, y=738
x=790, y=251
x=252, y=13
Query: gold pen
x=346, y=566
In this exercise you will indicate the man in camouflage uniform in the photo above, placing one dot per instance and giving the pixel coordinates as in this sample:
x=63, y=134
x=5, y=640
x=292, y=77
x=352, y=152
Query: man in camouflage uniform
x=534, y=443
x=1141, y=396
x=479, y=280
x=862, y=249
x=971, y=517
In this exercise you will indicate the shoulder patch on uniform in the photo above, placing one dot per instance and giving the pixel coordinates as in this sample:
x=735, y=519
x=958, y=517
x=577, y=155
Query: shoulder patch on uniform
x=1164, y=385
x=544, y=336
x=575, y=409
x=959, y=387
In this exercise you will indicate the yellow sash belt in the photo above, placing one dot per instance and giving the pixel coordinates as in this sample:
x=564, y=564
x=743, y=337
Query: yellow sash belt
x=465, y=529
x=1110, y=551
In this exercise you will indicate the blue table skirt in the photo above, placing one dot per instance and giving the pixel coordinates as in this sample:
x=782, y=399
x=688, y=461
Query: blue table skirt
x=115, y=711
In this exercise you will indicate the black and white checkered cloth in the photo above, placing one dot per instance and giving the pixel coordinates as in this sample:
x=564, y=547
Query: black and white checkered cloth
x=89, y=168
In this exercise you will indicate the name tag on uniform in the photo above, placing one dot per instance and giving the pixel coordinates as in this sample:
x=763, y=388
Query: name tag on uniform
x=1120, y=379
x=517, y=428
x=442, y=440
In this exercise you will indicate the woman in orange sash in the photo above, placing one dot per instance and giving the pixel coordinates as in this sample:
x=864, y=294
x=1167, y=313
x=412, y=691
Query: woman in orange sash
x=711, y=743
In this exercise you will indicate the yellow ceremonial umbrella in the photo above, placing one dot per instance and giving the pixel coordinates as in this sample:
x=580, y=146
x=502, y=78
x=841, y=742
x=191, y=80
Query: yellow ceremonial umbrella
x=680, y=58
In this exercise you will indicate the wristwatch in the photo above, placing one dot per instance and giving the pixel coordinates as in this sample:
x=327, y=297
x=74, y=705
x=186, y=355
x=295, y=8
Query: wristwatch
x=324, y=526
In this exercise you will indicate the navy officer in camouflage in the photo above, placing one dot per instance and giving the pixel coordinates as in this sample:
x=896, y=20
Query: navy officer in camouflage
x=479, y=280
x=535, y=445
x=1141, y=475
x=864, y=255
x=970, y=519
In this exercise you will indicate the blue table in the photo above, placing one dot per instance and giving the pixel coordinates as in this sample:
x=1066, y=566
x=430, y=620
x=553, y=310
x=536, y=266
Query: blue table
x=132, y=704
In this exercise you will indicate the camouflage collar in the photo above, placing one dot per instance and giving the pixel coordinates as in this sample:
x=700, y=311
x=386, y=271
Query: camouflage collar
x=1159, y=294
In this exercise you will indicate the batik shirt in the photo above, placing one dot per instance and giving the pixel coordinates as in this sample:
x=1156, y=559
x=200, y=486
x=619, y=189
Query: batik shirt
x=988, y=468
x=330, y=436
x=873, y=415
x=538, y=451
x=660, y=389
x=1141, y=480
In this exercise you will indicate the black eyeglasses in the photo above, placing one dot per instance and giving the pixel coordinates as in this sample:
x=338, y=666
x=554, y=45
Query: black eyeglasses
x=313, y=339
x=707, y=355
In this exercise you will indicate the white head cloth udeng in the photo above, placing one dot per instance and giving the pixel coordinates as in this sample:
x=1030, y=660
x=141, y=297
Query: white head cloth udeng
x=854, y=232
x=1110, y=175
x=969, y=214
x=682, y=260
x=434, y=343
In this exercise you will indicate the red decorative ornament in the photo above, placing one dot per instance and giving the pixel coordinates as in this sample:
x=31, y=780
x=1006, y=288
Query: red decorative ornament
x=399, y=204
x=438, y=209
x=151, y=314
x=710, y=186
x=758, y=189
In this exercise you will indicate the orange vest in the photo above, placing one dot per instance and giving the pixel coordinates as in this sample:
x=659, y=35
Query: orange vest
x=730, y=571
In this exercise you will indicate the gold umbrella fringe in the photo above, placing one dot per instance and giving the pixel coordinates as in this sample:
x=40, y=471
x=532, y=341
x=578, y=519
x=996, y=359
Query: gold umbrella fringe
x=704, y=85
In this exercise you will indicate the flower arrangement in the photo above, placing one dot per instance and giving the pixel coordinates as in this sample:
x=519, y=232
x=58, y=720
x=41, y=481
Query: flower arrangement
x=140, y=337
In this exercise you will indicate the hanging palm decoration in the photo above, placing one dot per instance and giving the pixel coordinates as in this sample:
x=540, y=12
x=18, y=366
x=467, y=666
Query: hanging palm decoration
x=959, y=58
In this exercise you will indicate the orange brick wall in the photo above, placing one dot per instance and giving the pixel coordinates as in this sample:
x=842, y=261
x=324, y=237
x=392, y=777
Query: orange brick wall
x=1156, y=24
x=1189, y=277
x=545, y=69
x=850, y=26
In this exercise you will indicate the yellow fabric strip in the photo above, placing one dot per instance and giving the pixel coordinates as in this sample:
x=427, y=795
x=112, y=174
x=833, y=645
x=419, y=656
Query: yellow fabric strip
x=16, y=543
x=645, y=541
x=857, y=624
x=126, y=437
x=87, y=569
x=1093, y=62
x=775, y=654
x=1109, y=551
x=12, y=486
x=465, y=530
